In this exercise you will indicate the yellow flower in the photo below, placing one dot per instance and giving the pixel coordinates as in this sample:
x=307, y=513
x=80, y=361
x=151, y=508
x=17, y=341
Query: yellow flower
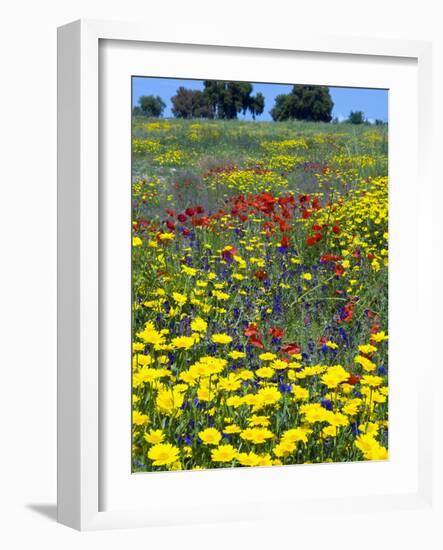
x=136, y=241
x=269, y=395
x=180, y=299
x=379, y=336
x=166, y=236
x=163, y=454
x=139, y=419
x=284, y=448
x=236, y=354
x=169, y=401
x=306, y=276
x=367, y=348
x=370, y=447
x=267, y=356
x=372, y=381
x=220, y=295
x=256, y=420
x=331, y=345
x=221, y=339
x=300, y=394
x=294, y=435
x=150, y=335
x=210, y=436
x=265, y=372
x=366, y=363
x=154, y=436
x=183, y=342
x=314, y=412
x=248, y=459
x=256, y=435
x=224, y=453
x=229, y=383
x=278, y=364
x=232, y=429
x=199, y=325
x=334, y=376
x=189, y=270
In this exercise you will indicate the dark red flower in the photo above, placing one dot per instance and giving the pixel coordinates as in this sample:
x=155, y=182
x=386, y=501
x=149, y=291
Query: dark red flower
x=325, y=258
x=199, y=209
x=261, y=275
x=354, y=379
x=182, y=218
x=336, y=229
x=284, y=241
x=276, y=332
x=310, y=241
x=190, y=211
x=339, y=270
x=251, y=330
x=256, y=341
x=291, y=349
x=170, y=225
x=170, y=212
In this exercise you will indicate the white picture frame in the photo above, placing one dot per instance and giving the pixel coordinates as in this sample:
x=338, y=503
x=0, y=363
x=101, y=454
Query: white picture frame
x=80, y=412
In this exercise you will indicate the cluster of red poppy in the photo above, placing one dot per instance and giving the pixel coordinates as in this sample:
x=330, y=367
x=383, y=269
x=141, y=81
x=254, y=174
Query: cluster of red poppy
x=256, y=339
x=191, y=215
x=319, y=232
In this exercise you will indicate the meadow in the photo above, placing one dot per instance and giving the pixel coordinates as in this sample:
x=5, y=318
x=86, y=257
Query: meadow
x=260, y=293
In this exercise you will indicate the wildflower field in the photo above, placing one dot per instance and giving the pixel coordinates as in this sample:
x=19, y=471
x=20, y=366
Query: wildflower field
x=260, y=293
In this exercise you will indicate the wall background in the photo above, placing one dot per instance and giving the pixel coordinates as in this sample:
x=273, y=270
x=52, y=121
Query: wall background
x=28, y=258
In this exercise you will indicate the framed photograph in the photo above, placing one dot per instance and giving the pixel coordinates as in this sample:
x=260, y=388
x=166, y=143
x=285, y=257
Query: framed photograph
x=240, y=276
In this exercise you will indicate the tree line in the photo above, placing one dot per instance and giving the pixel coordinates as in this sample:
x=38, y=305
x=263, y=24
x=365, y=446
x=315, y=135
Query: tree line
x=227, y=99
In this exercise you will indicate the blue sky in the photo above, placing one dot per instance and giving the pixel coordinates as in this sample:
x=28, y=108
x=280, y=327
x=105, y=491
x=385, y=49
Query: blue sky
x=373, y=102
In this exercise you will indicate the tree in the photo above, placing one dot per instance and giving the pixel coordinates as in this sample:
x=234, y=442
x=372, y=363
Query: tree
x=228, y=98
x=151, y=105
x=313, y=103
x=356, y=117
x=190, y=104
x=257, y=104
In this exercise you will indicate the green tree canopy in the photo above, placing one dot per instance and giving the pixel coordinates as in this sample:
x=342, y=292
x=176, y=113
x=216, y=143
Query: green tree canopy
x=228, y=98
x=190, y=104
x=356, y=117
x=151, y=105
x=313, y=103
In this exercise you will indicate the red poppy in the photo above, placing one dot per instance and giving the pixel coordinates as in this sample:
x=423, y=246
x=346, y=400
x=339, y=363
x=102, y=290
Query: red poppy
x=339, y=270
x=317, y=227
x=186, y=232
x=190, y=211
x=261, y=275
x=256, y=341
x=303, y=198
x=284, y=241
x=170, y=212
x=291, y=349
x=310, y=241
x=276, y=332
x=170, y=225
x=305, y=214
x=199, y=209
x=371, y=256
x=336, y=229
x=354, y=379
x=325, y=258
x=251, y=330
x=182, y=218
